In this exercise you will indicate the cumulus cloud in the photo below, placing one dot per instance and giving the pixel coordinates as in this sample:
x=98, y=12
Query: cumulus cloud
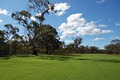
x=98, y=38
x=1, y=21
x=4, y=12
x=61, y=8
x=77, y=25
x=117, y=24
x=100, y=1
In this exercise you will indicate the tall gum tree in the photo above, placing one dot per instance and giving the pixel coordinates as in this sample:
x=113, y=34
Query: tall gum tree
x=41, y=8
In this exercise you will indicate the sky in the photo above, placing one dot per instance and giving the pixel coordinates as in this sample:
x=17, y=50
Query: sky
x=96, y=21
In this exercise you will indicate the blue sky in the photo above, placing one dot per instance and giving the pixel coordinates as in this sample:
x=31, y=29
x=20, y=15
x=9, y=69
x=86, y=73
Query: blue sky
x=96, y=21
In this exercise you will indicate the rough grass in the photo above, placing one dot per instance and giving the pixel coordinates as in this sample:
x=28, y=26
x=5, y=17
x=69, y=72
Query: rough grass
x=55, y=67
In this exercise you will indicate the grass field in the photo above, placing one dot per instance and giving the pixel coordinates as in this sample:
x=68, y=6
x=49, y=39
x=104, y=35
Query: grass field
x=74, y=67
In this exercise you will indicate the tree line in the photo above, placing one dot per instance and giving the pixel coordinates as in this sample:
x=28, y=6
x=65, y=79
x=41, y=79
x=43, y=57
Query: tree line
x=40, y=37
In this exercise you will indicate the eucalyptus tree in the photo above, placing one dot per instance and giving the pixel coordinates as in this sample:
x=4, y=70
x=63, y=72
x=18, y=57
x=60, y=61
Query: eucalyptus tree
x=2, y=37
x=12, y=37
x=11, y=31
x=6, y=35
x=40, y=8
x=49, y=38
x=2, y=43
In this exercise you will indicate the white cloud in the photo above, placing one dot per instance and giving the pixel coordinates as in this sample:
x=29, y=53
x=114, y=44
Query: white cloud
x=69, y=41
x=102, y=25
x=60, y=13
x=4, y=11
x=98, y=38
x=100, y=1
x=1, y=21
x=77, y=25
x=61, y=8
x=117, y=24
x=33, y=18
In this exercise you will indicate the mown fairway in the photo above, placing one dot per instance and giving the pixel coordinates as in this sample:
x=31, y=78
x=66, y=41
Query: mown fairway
x=75, y=67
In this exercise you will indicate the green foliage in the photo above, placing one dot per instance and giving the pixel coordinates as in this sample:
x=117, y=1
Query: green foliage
x=40, y=6
x=2, y=36
x=114, y=47
x=49, y=38
x=34, y=28
x=76, y=47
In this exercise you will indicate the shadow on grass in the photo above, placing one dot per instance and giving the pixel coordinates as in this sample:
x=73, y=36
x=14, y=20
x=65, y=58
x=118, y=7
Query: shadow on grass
x=73, y=57
x=68, y=57
x=25, y=56
x=100, y=60
x=5, y=58
x=107, y=60
x=82, y=59
x=52, y=57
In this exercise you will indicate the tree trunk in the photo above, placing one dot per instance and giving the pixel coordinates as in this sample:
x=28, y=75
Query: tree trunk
x=35, y=51
x=47, y=50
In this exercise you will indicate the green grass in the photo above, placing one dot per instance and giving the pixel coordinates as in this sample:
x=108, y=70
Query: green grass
x=74, y=67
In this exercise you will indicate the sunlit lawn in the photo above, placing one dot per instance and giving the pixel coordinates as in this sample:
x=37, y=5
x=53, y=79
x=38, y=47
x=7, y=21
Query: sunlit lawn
x=74, y=67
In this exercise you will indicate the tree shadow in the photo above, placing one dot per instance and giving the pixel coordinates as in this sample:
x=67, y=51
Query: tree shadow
x=73, y=57
x=68, y=57
x=100, y=60
x=60, y=58
x=82, y=59
x=107, y=60
x=25, y=56
x=5, y=58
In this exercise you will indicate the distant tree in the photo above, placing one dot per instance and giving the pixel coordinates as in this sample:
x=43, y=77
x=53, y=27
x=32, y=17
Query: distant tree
x=110, y=49
x=77, y=42
x=114, y=47
x=94, y=49
x=74, y=47
x=70, y=48
x=87, y=49
x=82, y=49
x=116, y=43
x=62, y=44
